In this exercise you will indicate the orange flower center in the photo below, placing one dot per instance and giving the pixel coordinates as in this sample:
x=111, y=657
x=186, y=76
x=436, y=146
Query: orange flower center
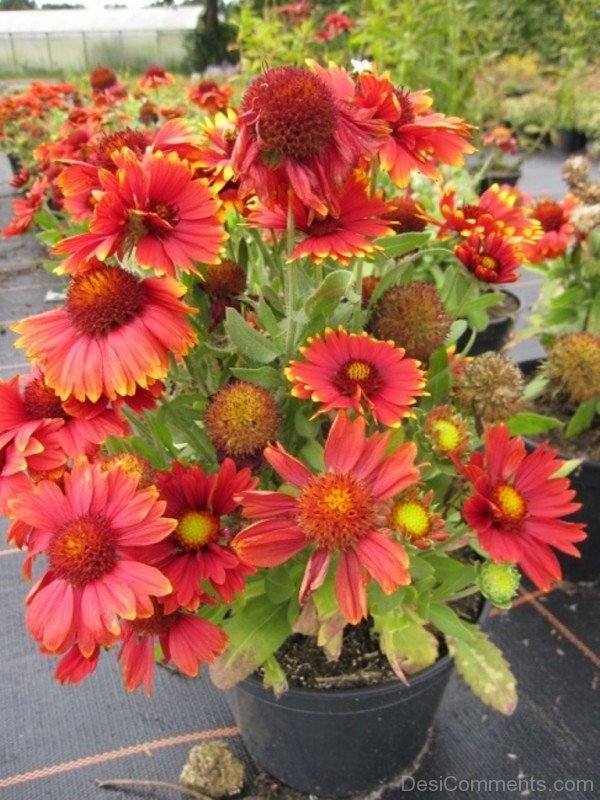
x=132, y=464
x=411, y=518
x=356, y=374
x=196, y=529
x=335, y=509
x=83, y=550
x=488, y=264
x=550, y=215
x=104, y=298
x=295, y=111
x=41, y=401
x=241, y=419
x=510, y=503
x=156, y=625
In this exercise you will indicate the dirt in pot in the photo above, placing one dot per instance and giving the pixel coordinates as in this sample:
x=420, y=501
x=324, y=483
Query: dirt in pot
x=585, y=445
x=507, y=307
x=361, y=663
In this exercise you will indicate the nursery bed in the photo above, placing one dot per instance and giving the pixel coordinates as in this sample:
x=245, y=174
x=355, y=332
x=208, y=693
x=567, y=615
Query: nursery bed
x=56, y=742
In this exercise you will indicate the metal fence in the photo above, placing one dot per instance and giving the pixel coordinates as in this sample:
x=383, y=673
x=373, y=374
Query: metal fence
x=77, y=51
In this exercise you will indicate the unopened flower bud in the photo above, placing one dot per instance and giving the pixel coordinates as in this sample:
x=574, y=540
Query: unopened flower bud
x=499, y=583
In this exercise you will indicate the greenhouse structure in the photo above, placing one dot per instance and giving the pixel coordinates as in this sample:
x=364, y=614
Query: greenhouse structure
x=78, y=40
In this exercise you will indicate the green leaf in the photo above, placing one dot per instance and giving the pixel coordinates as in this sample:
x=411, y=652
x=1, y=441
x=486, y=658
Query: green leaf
x=536, y=386
x=334, y=287
x=402, y=243
x=593, y=322
x=459, y=326
x=408, y=646
x=485, y=670
x=267, y=377
x=248, y=341
x=438, y=384
x=279, y=585
x=255, y=631
x=242, y=255
x=274, y=677
x=449, y=623
x=528, y=424
x=582, y=418
x=483, y=302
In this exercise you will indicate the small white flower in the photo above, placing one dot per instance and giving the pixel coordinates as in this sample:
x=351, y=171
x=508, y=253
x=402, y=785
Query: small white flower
x=361, y=66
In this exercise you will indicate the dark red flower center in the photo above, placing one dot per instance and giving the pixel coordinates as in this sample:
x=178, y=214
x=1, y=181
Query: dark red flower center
x=155, y=71
x=550, y=215
x=169, y=212
x=137, y=141
x=2, y=458
x=156, y=625
x=323, y=227
x=335, y=510
x=103, y=298
x=405, y=214
x=41, y=401
x=472, y=212
x=197, y=529
x=357, y=374
x=406, y=108
x=102, y=78
x=83, y=550
x=295, y=113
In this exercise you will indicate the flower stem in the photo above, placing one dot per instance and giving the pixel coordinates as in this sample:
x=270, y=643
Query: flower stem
x=290, y=283
x=356, y=317
x=124, y=784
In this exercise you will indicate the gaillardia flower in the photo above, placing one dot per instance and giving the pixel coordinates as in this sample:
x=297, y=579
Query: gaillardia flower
x=517, y=503
x=198, y=550
x=154, y=207
x=298, y=129
x=349, y=370
x=491, y=258
x=185, y=639
x=95, y=534
x=342, y=514
x=113, y=335
x=241, y=419
x=573, y=364
x=156, y=76
x=348, y=235
x=412, y=519
x=558, y=231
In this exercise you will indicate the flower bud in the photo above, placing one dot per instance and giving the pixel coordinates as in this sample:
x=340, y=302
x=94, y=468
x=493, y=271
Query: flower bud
x=499, y=583
x=490, y=387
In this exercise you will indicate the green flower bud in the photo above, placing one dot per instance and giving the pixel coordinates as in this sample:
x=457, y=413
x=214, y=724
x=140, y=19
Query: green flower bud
x=499, y=583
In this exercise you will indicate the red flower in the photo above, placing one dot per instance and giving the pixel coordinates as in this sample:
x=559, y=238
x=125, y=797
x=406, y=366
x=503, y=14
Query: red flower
x=24, y=210
x=184, y=639
x=156, y=76
x=95, y=533
x=517, y=504
x=198, y=549
x=557, y=231
x=348, y=370
x=113, y=336
x=210, y=96
x=340, y=238
x=491, y=258
x=298, y=129
x=343, y=512
x=418, y=138
x=154, y=207
x=334, y=25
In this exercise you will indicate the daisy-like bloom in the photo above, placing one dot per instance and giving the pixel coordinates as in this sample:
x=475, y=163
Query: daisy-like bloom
x=148, y=113
x=240, y=420
x=156, y=76
x=106, y=87
x=342, y=238
x=210, y=96
x=114, y=334
x=503, y=138
x=298, y=129
x=342, y=514
x=407, y=215
x=334, y=25
x=95, y=534
x=412, y=519
x=447, y=430
x=223, y=283
x=418, y=138
x=490, y=258
x=83, y=426
x=198, y=550
x=185, y=640
x=500, y=209
x=25, y=209
x=517, y=504
x=155, y=208
x=558, y=232
x=349, y=370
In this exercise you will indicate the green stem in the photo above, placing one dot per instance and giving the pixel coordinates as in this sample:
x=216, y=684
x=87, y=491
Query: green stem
x=290, y=284
x=465, y=593
x=357, y=315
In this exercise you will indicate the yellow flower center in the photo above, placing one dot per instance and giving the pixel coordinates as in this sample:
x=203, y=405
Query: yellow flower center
x=447, y=435
x=356, y=373
x=510, y=502
x=411, y=518
x=335, y=509
x=358, y=370
x=196, y=529
x=489, y=263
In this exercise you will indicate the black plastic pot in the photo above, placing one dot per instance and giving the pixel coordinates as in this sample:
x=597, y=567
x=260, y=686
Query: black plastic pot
x=586, y=482
x=497, y=334
x=571, y=141
x=15, y=162
x=511, y=177
x=339, y=742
